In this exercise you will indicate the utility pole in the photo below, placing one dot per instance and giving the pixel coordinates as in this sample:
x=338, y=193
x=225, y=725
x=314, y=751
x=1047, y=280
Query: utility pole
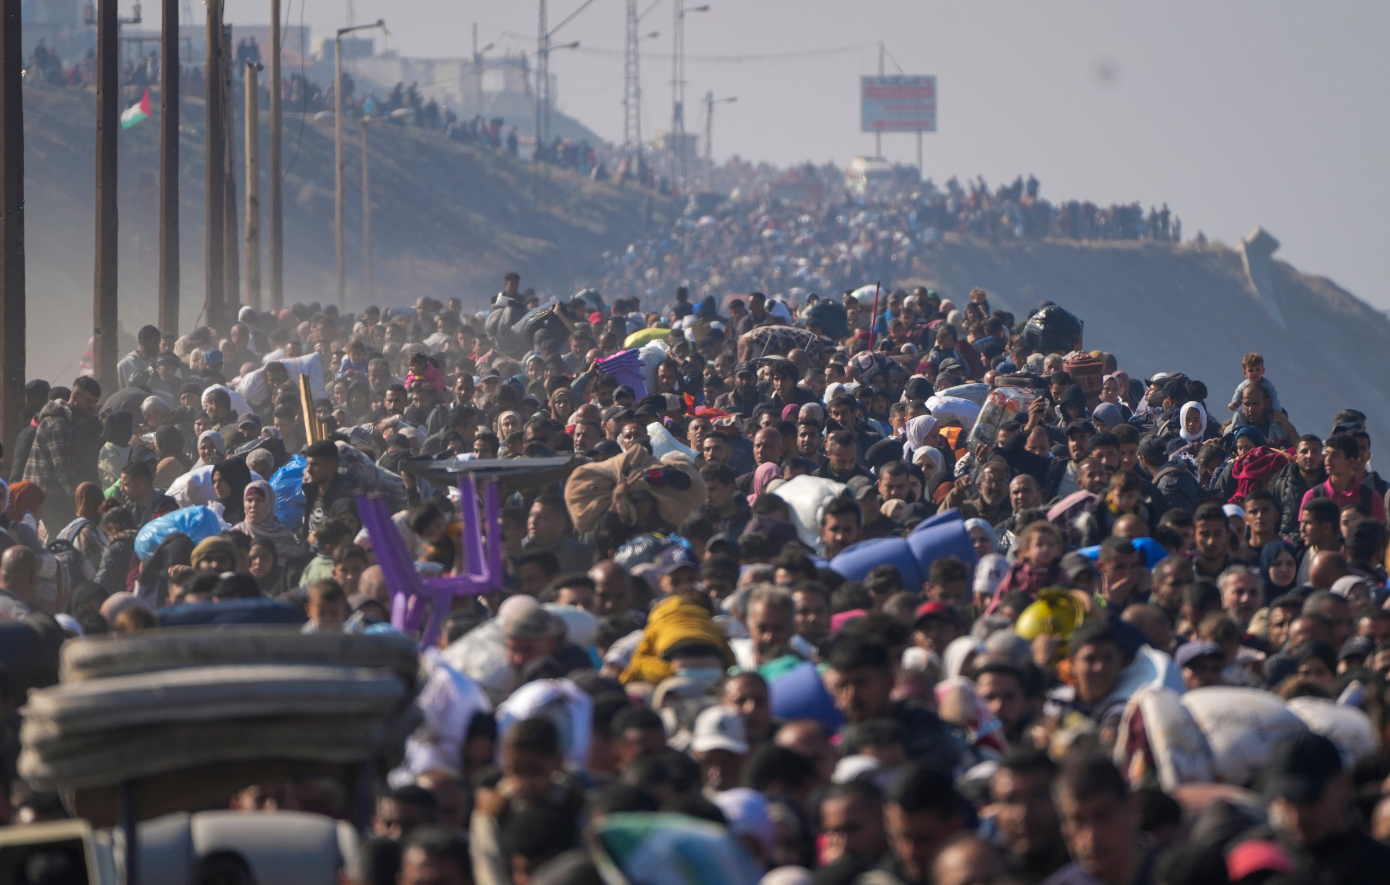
x=339, y=246
x=366, y=215
x=169, y=169
x=214, y=182
x=339, y=234
x=632, y=84
x=253, y=187
x=710, y=102
x=12, y=312
x=542, y=81
x=677, y=92
x=477, y=68
x=104, y=317
x=878, y=133
x=678, y=88
x=274, y=221
x=231, y=243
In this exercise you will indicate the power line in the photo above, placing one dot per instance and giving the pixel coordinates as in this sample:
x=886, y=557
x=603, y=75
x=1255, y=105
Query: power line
x=715, y=59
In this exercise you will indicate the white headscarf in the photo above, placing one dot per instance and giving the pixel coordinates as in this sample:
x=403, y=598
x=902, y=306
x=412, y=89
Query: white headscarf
x=1182, y=422
x=916, y=432
x=936, y=464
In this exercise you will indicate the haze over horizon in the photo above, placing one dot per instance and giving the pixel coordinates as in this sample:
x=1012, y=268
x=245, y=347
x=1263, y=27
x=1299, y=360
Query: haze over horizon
x=1235, y=115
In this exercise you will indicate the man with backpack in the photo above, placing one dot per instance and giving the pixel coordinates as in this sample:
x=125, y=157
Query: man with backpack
x=1339, y=457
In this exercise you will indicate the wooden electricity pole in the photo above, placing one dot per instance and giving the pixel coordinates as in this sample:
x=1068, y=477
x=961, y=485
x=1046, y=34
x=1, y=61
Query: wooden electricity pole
x=169, y=169
x=11, y=221
x=231, y=243
x=104, y=343
x=253, y=188
x=274, y=223
x=214, y=178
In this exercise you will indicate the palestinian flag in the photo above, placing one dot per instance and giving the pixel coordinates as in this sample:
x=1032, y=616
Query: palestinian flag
x=136, y=112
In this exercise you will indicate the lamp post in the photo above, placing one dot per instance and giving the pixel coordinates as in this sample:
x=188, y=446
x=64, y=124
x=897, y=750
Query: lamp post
x=478, y=66
x=710, y=102
x=338, y=233
x=678, y=87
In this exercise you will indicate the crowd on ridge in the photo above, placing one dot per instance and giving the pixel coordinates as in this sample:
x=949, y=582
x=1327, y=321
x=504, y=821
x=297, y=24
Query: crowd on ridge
x=838, y=244
x=891, y=589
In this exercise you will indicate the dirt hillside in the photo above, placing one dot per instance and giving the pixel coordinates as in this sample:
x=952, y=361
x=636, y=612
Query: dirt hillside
x=447, y=219
x=1164, y=308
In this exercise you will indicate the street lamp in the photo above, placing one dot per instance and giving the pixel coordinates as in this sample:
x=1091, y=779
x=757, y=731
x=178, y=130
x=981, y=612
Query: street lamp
x=678, y=85
x=338, y=234
x=710, y=102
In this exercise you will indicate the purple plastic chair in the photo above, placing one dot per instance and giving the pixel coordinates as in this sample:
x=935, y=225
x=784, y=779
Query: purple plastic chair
x=413, y=595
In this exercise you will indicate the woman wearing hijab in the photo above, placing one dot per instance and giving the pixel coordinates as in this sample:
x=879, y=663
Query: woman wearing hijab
x=168, y=444
x=211, y=449
x=562, y=404
x=267, y=569
x=229, y=481
x=1192, y=423
x=917, y=431
x=764, y=474
x=1278, y=569
x=116, y=431
x=261, y=524
x=84, y=532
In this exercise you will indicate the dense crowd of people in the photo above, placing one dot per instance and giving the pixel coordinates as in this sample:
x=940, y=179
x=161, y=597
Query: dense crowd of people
x=890, y=590
x=796, y=248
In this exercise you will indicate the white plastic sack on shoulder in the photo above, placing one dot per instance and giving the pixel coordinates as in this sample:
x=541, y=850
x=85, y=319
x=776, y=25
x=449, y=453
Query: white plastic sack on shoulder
x=1150, y=667
x=1180, y=750
x=449, y=701
x=1242, y=727
x=239, y=403
x=481, y=655
x=560, y=701
x=975, y=392
x=581, y=628
x=805, y=497
x=1347, y=727
x=256, y=389
x=664, y=443
x=194, y=488
x=944, y=408
x=652, y=353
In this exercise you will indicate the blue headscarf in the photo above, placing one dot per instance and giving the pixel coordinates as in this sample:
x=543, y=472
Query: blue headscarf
x=1252, y=433
x=1268, y=554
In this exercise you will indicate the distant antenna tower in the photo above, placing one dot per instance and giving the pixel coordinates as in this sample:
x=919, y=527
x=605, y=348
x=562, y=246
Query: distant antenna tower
x=632, y=85
x=351, y=13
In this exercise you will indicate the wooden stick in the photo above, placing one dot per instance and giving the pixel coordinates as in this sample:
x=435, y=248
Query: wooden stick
x=313, y=428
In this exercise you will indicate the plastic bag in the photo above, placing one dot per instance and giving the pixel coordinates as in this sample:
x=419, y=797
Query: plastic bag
x=646, y=336
x=663, y=443
x=198, y=523
x=288, y=484
x=366, y=474
x=1003, y=404
x=805, y=496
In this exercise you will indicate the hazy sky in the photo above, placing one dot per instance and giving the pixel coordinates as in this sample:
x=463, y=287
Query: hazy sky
x=1234, y=113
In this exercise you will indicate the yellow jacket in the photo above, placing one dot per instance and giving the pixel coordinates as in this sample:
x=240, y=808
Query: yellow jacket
x=672, y=622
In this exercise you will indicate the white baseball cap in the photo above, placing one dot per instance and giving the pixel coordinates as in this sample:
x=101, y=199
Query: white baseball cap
x=719, y=728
